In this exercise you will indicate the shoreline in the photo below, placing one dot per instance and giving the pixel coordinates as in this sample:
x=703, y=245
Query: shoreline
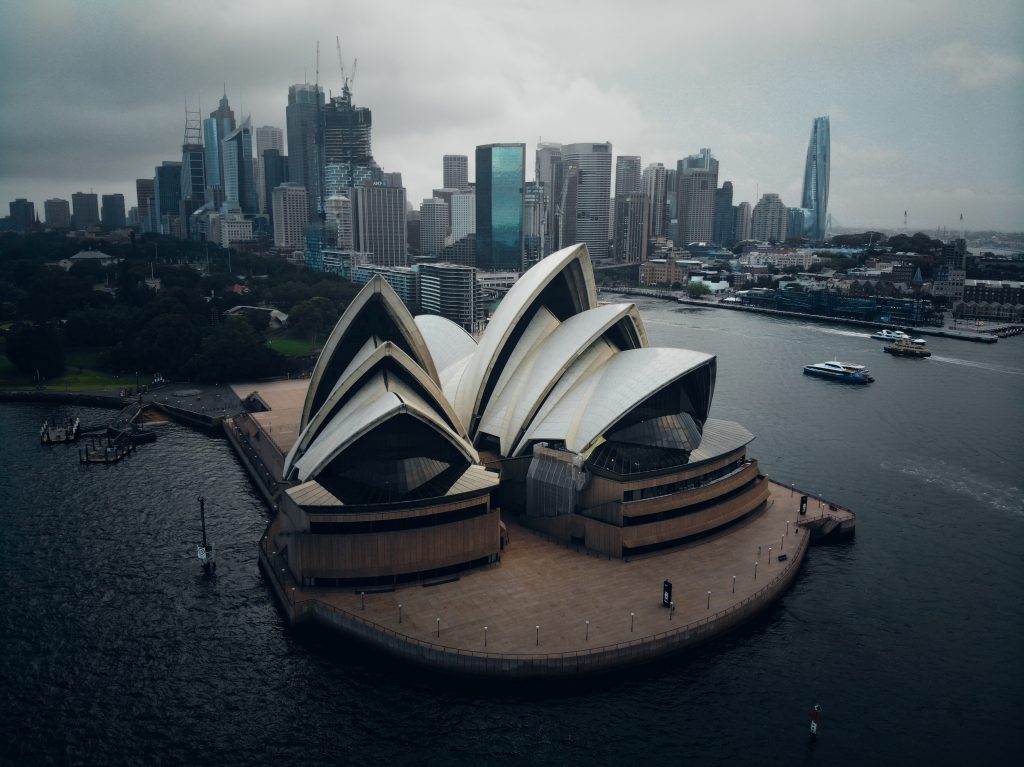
x=959, y=335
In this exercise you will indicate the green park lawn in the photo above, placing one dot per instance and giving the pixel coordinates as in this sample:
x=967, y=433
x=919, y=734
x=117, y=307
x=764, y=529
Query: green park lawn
x=78, y=375
x=293, y=347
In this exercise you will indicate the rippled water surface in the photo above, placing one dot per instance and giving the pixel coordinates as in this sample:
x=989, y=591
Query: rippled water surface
x=116, y=650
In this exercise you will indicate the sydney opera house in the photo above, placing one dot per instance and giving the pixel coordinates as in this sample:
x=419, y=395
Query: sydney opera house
x=416, y=442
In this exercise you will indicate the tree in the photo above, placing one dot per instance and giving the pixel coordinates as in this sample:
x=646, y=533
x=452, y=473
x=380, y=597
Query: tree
x=234, y=351
x=35, y=349
x=309, y=318
x=697, y=289
x=165, y=344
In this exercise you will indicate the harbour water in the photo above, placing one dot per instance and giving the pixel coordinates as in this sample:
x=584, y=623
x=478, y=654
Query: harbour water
x=115, y=648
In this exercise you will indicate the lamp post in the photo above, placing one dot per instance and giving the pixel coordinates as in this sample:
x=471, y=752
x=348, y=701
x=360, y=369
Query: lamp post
x=755, y=570
x=734, y=584
x=769, y=556
x=485, y=636
x=399, y=613
x=632, y=620
x=709, y=600
x=437, y=622
x=588, y=630
x=537, y=629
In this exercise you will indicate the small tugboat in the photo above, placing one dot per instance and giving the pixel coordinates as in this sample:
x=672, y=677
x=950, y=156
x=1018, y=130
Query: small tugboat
x=845, y=372
x=57, y=430
x=909, y=347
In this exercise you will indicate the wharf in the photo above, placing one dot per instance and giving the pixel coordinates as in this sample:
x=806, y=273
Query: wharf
x=559, y=589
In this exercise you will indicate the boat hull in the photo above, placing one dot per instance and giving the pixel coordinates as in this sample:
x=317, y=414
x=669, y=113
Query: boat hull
x=847, y=378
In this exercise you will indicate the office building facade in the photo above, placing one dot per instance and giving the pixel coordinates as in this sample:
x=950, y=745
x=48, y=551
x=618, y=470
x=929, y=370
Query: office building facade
x=696, y=183
x=500, y=182
x=85, y=208
x=239, y=182
x=593, y=163
x=455, y=171
x=652, y=183
x=816, y=177
x=769, y=220
x=379, y=224
x=58, y=213
x=302, y=116
x=725, y=220
x=112, y=212
x=290, y=215
x=217, y=127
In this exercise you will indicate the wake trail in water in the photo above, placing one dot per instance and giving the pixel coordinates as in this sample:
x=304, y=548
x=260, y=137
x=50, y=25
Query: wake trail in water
x=981, y=365
x=835, y=332
x=997, y=496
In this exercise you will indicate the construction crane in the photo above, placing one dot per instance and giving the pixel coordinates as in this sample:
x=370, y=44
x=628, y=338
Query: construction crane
x=346, y=81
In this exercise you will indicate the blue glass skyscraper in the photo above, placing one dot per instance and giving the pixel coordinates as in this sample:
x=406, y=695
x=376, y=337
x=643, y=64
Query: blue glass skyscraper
x=500, y=182
x=816, y=178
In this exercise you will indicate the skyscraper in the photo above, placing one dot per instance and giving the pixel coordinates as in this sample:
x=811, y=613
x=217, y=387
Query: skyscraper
x=58, y=213
x=267, y=137
x=593, y=191
x=166, y=196
x=338, y=220
x=653, y=184
x=455, y=169
x=742, y=222
x=23, y=214
x=239, y=184
x=216, y=128
x=725, y=220
x=627, y=174
x=769, y=220
x=500, y=184
x=816, y=177
x=632, y=216
x=303, y=120
x=379, y=217
x=347, y=148
x=549, y=173
x=461, y=215
x=144, y=192
x=434, y=224
x=113, y=211
x=85, y=210
x=696, y=181
x=290, y=216
x=533, y=223
x=274, y=173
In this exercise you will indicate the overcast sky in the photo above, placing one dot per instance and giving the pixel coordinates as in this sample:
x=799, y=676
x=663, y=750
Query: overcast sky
x=926, y=97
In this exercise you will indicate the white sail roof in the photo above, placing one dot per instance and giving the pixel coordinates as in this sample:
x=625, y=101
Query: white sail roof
x=598, y=400
x=572, y=267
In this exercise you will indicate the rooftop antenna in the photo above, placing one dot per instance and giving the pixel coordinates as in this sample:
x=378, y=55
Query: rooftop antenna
x=905, y=230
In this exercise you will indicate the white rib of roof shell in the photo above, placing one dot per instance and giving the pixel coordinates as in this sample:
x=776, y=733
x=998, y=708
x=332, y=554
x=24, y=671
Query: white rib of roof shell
x=599, y=400
x=543, y=324
x=572, y=264
x=377, y=401
x=513, y=406
x=403, y=325
x=369, y=358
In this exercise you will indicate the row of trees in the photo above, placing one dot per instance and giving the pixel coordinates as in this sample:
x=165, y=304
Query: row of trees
x=180, y=330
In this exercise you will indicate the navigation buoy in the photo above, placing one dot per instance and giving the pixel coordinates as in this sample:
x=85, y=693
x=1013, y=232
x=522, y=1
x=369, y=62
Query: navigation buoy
x=204, y=550
x=815, y=718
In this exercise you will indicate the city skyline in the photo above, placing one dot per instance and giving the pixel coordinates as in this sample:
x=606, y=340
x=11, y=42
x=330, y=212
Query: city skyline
x=908, y=89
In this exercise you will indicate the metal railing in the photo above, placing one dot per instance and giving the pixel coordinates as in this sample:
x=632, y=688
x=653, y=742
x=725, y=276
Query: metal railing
x=650, y=645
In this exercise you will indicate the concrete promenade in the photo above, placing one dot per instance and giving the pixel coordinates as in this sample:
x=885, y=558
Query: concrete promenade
x=543, y=584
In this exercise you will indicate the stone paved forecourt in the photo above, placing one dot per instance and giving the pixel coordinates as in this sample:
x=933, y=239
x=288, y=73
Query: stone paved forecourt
x=539, y=583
